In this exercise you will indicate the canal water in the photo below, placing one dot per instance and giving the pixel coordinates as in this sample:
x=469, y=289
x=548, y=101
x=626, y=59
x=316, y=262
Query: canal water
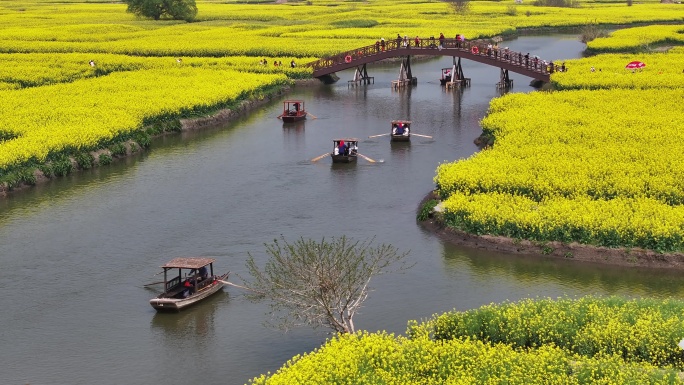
x=76, y=252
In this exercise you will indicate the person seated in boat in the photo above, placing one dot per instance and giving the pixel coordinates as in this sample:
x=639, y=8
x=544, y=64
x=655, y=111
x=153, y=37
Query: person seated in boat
x=342, y=148
x=400, y=129
x=394, y=129
x=354, y=149
x=406, y=129
x=189, y=287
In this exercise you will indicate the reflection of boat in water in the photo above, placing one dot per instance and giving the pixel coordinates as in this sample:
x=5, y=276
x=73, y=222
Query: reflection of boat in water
x=345, y=150
x=295, y=126
x=197, y=283
x=401, y=131
x=293, y=111
x=200, y=322
x=400, y=147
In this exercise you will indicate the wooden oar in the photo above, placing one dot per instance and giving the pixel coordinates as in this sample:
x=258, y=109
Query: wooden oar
x=241, y=287
x=153, y=283
x=424, y=136
x=279, y=117
x=314, y=116
x=320, y=157
x=365, y=157
x=375, y=136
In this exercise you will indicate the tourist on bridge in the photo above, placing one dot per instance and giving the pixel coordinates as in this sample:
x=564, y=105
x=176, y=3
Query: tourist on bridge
x=458, y=40
x=377, y=46
x=406, y=42
x=527, y=60
x=441, y=41
x=416, y=42
x=399, y=40
x=382, y=43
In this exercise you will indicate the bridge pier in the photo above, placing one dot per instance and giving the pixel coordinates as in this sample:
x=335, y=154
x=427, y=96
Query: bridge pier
x=329, y=78
x=361, y=77
x=504, y=80
x=405, y=76
x=458, y=79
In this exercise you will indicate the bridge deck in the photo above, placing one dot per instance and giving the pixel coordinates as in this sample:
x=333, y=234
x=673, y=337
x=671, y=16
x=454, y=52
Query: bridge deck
x=517, y=62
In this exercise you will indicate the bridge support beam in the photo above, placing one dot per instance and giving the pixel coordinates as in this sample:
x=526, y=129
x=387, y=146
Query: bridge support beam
x=405, y=76
x=504, y=80
x=458, y=77
x=406, y=63
x=361, y=77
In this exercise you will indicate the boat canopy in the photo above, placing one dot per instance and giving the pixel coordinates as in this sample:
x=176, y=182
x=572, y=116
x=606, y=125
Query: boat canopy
x=188, y=263
x=346, y=140
x=287, y=104
x=404, y=122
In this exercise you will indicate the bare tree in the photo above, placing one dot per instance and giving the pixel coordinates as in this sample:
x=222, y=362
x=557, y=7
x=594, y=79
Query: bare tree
x=320, y=283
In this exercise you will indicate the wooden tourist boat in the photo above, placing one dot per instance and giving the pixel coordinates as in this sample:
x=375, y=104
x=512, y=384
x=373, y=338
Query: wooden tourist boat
x=446, y=76
x=401, y=131
x=345, y=150
x=293, y=111
x=195, y=281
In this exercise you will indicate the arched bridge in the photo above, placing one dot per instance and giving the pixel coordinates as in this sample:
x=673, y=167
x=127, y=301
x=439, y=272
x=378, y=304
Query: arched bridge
x=505, y=59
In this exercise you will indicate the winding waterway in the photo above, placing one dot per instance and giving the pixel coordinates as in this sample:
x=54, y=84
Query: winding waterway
x=76, y=251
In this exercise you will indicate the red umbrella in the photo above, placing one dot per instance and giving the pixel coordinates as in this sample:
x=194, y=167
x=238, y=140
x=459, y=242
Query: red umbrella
x=635, y=64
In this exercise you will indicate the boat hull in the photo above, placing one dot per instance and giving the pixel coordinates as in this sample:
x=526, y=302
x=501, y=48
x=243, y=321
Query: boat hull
x=165, y=304
x=293, y=118
x=343, y=158
x=400, y=138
